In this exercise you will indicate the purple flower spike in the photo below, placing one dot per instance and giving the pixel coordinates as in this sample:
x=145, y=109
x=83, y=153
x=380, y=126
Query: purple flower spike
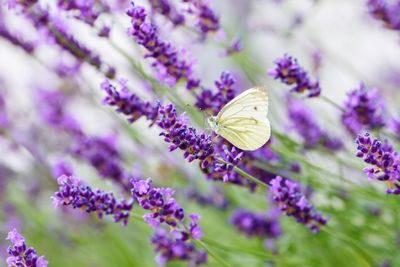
x=165, y=8
x=363, y=109
x=180, y=135
x=384, y=161
x=287, y=195
x=304, y=123
x=257, y=224
x=165, y=55
x=213, y=102
x=207, y=20
x=20, y=255
x=87, y=11
x=288, y=71
x=386, y=11
x=73, y=192
x=163, y=207
x=170, y=248
x=44, y=22
x=129, y=104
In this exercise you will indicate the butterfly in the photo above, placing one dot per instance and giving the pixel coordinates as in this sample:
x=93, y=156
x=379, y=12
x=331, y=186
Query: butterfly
x=243, y=121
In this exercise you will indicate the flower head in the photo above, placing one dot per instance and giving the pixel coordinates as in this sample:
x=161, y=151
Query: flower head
x=288, y=71
x=207, y=20
x=20, y=255
x=363, y=109
x=305, y=124
x=73, y=192
x=386, y=11
x=384, y=161
x=170, y=248
x=287, y=195
x=165, y=8
x=166, y=57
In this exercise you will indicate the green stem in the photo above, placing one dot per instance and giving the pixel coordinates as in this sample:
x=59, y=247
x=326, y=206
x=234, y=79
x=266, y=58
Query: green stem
x=331, y=102
x=267, y=256
x=353, y=243
x=246, y=175
x=221, y=261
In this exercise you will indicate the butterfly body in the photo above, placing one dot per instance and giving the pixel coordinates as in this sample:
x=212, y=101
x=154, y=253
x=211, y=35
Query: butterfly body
x=243, y=121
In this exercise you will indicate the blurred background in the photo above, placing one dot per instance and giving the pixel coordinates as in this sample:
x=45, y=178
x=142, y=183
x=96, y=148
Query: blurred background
x=338, y=42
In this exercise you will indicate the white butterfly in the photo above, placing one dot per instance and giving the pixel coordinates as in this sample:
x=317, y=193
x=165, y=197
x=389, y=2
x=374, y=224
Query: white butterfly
x=243, y=121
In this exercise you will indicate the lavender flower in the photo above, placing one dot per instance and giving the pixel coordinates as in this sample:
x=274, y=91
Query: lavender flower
x=177, y=133
x=213, y=198
x=43, y=21
x=13, y=38
x=263, y=225
x=384, y=161
x=170, y=248
x=234, y=47
x=213, y=102
x=4, y=119
x=287, y=195
x=207, y=20
x=62, y=167
x=304, y=123
x=159, y=201
x=363, y=109
x=165, y=8
x=386, y=11
x=51, y=105
x=394, y=126
x=166, y=56
x=20, y=255
x=87, y=11
x=180, y=135
x=103, y=155
x=129, y=104
x=73, y=192
x=288, y=71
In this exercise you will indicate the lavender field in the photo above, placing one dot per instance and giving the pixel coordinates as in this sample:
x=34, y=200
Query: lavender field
x=116, y=148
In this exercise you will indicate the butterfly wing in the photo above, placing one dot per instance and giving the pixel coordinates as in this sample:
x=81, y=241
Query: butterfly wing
x=243, y=121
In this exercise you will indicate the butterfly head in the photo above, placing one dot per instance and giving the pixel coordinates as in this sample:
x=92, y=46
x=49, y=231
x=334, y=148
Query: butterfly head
x=212, y=121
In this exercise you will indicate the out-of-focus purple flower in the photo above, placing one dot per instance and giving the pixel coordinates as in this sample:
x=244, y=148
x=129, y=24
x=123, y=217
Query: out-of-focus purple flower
x=166, y=56
x=103, y=155
x=51, y=106
x=12, y=37
x=160, y=201
x=363, y=109
x=87, y=11
x=386, y=11
x=288, y=196
x=73, y=192
x=213, y=102
x=99, y=151
x=234, y=47
x=207, y=19
x=394, y=126
x=165, y=8
x=384, y=161
x=261, y=225
x=214, y=198
x=129, y=104
x=288, y=71
x=4, y=119
x=304, y=123
x=170, y=248
x=62, y=168
x=42, y=20
x=20, y=255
